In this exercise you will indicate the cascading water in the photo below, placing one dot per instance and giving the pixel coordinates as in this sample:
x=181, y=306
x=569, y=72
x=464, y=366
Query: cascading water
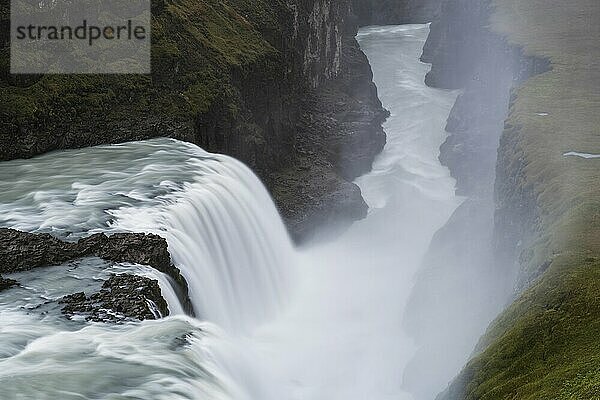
x=223, y=231
x=327, y=329
x=222, y=227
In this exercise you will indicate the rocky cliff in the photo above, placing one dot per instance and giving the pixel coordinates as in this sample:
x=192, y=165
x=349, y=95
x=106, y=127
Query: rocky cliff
x=280, y=85
x=517, y=228
x=395, y=12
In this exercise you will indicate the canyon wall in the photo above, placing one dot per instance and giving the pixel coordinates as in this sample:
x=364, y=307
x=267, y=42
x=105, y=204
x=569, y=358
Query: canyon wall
x=519, y=238
x=280, y=85
x=461, y=287
x=395, y=12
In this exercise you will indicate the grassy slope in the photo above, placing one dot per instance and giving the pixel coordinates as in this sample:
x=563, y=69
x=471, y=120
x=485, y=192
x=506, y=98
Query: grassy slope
x=568, y=188
x=546, y=345
x=195, y=43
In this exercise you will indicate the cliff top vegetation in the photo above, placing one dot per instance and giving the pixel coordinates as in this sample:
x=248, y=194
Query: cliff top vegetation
x=545, y=345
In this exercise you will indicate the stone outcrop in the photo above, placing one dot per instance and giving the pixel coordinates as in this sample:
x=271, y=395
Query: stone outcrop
x=340, y=134
x=22, y=251
x=122, y=298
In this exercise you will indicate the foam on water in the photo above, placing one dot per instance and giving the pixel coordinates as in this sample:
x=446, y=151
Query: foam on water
x=165, y=359
x=223, y=231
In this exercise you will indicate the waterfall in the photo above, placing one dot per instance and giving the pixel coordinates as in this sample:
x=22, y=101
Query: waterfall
x=222, y=228
x=225, y=234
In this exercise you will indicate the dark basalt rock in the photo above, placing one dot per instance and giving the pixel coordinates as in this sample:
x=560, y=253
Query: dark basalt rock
x=339, y=136
x=7, y=283
x=122, y=298
x=139, y=248
x=22, y=251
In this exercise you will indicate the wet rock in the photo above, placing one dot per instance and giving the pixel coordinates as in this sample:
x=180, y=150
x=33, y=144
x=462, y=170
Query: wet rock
x=339, y=136
x=6, y=283
x=22, y=251
x=138, y=248
x=122, y=298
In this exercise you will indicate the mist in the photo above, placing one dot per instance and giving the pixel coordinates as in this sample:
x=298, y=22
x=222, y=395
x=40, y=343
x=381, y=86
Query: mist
x=383, y=310
x=342, y=335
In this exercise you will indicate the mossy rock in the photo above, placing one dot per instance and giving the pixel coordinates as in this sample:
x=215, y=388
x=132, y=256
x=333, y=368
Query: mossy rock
x=197, y=45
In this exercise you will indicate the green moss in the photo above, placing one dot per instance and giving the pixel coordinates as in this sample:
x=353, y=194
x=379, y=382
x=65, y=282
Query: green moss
x=583, y=386
x=546, y=341
x=196, y=44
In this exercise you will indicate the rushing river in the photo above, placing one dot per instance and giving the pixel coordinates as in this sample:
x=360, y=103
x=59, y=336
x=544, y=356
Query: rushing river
x=317, y=323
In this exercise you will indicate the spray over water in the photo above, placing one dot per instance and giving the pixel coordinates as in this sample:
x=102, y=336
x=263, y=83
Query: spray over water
x=317, y=323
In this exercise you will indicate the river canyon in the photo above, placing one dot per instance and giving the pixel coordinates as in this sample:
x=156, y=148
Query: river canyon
x=322, y=321
x=309, y=200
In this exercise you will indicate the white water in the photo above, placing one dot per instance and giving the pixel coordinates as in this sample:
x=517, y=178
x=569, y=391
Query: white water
x=341, y=337
x=322, y=323
x=222, y=227
x=582, y=155
x=224, y=234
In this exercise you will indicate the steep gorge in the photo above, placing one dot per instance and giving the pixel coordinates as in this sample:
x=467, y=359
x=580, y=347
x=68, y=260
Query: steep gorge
x=530, y=216
x=279, y=85
x=466, y=255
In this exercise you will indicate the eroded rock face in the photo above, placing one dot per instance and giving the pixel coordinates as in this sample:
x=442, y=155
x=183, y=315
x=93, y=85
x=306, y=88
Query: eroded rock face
x=339, y=136
x=122, y=297
x=323, y=53
x=22, y=251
